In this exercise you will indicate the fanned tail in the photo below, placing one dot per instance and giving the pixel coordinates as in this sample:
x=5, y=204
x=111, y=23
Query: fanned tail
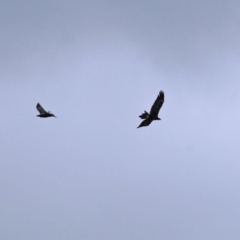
x=144, y=115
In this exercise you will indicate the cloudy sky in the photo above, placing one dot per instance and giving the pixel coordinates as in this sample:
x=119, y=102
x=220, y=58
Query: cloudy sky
x=97, y=65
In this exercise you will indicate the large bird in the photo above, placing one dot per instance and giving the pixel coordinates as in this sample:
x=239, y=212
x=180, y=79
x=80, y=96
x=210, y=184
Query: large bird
x=153, y=115
x=43, y=113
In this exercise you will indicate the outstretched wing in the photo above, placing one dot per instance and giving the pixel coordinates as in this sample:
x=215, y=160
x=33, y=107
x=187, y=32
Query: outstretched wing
x=40, y=109
x=145, y=123
x=157, y=104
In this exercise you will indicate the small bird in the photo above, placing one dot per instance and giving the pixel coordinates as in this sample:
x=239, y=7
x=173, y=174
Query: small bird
x=43, y=113
x=153, y=115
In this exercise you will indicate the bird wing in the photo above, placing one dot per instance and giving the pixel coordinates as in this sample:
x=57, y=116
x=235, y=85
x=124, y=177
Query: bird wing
x=40, y=109
x=145, y=123
x=157, y=104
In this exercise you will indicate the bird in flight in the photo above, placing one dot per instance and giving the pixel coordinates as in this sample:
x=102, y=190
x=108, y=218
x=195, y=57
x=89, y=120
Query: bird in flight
x=43, y=113
x=153, y=115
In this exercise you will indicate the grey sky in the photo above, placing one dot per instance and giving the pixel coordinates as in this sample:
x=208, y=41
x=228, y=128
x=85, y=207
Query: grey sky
x=97, y=65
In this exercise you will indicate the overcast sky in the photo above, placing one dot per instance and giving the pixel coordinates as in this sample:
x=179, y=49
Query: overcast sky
x=90, y=174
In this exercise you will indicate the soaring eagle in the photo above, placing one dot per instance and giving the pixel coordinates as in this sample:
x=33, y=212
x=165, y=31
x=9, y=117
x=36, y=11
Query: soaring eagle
x=43, y=113
x=153, y=115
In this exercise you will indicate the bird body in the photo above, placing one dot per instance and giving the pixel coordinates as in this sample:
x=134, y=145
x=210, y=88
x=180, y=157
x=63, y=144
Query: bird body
x=153, y=115
x=43, y=113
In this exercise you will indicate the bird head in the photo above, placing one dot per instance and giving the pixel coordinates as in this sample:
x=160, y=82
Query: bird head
x=52, y=115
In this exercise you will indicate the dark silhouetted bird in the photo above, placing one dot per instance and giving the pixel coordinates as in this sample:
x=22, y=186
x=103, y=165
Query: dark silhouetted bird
x=43, y=113
x=153, y=115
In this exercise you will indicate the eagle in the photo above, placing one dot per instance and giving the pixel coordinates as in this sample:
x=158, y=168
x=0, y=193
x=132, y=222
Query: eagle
x=43, y=113
x=153, y=115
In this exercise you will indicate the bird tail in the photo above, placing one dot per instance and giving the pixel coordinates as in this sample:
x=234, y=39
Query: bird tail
x=144, y=115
